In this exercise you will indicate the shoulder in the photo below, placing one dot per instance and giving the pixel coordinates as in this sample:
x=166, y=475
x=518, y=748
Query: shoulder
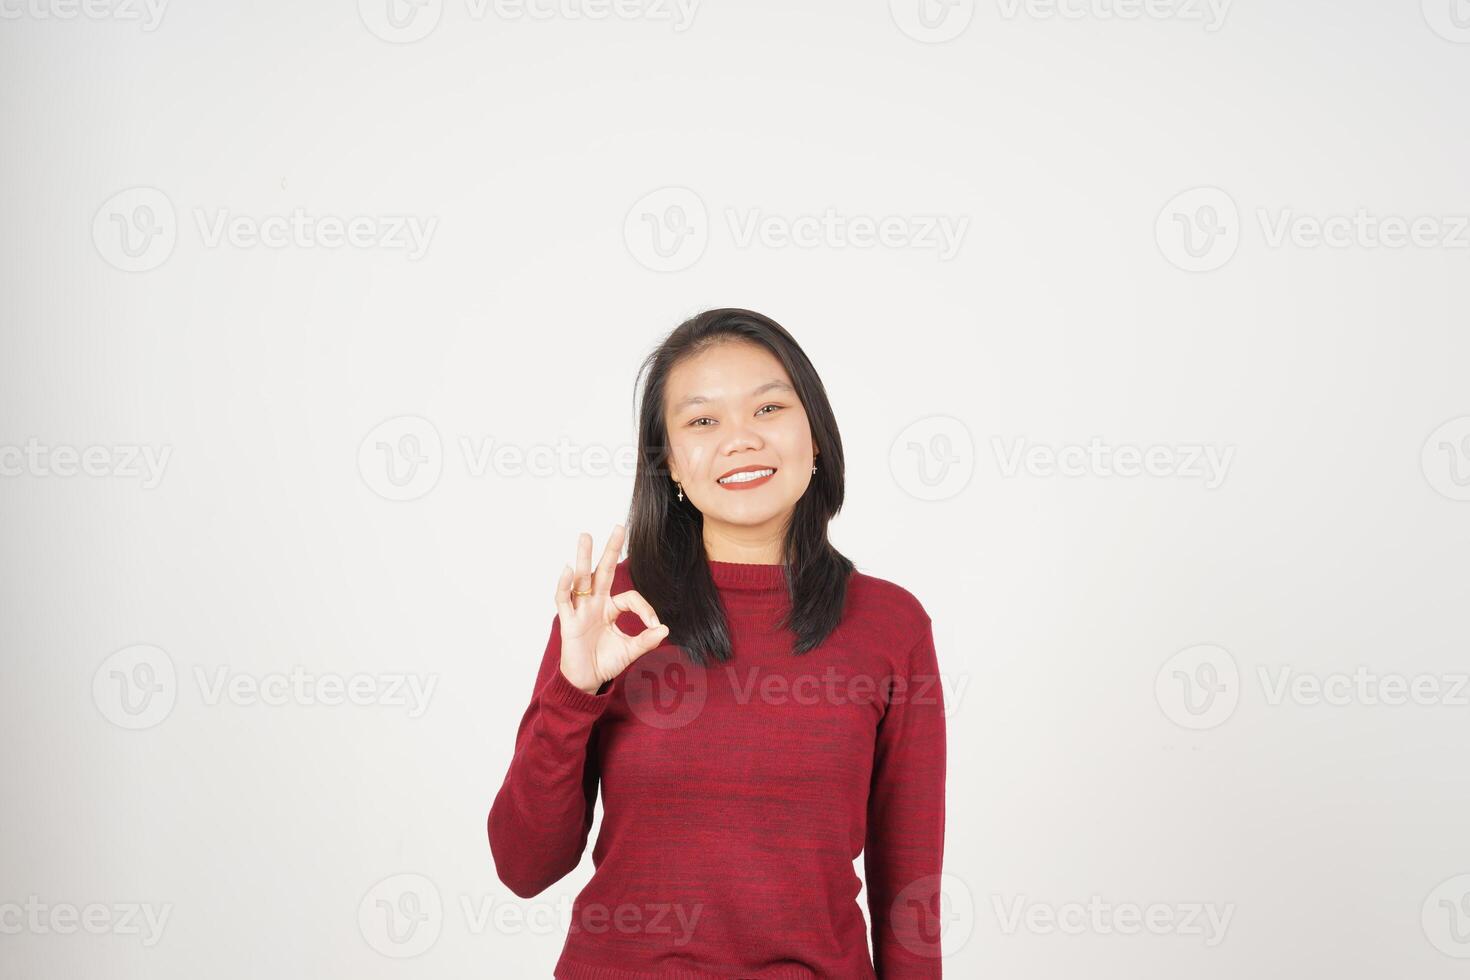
x=885, y=605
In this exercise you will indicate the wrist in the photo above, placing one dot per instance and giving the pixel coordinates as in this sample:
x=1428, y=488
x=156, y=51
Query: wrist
x=582, y=685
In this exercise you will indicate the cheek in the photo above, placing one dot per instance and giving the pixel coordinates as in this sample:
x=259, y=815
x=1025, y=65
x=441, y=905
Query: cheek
x=687, y=454
x=795, y=438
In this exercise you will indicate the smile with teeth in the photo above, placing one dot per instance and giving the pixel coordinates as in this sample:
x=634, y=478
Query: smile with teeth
x=747, y=476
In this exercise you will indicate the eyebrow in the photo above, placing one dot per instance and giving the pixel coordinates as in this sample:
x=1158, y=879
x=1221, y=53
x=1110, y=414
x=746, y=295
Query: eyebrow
x=700, y=399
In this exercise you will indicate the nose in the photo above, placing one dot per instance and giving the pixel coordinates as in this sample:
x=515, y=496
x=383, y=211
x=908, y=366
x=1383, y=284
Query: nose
x=740, y=437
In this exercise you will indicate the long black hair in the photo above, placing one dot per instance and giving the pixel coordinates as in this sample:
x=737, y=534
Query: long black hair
x=666, y=555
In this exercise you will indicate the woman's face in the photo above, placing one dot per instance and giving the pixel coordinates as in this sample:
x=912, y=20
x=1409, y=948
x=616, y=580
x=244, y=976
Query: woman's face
x=731, y=408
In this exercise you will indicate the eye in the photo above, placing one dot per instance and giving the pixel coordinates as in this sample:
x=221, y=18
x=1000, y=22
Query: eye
x=705, y=418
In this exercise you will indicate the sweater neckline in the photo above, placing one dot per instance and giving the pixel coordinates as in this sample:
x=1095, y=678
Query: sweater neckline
x=746, y=577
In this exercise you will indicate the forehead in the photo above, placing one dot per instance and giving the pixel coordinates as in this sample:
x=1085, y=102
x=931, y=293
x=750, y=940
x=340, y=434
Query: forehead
x=724, y=371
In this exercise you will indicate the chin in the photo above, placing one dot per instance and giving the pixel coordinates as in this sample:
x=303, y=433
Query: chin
x=750, y=516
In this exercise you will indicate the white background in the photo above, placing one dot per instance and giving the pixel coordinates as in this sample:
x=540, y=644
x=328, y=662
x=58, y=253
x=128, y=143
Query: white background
x=543, y=151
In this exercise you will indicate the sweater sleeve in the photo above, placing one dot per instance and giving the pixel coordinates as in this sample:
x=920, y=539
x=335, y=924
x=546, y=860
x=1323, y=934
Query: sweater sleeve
x=903, y=854
x=541, y=817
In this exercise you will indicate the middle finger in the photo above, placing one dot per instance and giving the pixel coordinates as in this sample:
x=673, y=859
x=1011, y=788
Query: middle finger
x=583, y=580
x=607, y=567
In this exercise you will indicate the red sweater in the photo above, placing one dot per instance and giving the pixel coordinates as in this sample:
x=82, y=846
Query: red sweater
x=737, y=796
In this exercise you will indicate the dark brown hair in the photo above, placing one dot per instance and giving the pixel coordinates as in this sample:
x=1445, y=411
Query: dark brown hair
x=666, y=556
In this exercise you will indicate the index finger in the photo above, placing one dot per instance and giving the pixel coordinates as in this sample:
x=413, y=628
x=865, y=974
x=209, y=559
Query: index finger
x=607, y=567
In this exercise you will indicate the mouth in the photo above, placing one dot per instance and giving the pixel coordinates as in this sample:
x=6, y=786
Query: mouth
x=747, y=477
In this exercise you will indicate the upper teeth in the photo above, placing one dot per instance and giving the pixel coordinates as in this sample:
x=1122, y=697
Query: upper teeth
x=746, y=477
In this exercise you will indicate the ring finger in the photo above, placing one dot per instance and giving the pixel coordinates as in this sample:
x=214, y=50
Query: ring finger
x=582, y=581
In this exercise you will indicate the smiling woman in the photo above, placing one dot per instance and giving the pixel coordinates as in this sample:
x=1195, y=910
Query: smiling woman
x=739, y=784
x=741, y=395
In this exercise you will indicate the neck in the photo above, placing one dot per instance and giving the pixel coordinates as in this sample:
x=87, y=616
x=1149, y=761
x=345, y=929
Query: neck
x=745, y=545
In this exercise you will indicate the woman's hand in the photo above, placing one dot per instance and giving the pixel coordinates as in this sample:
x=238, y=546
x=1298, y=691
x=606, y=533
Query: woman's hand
x=593, y=649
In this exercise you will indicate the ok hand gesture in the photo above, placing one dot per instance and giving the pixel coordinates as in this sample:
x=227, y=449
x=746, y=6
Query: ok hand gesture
x=593, y=649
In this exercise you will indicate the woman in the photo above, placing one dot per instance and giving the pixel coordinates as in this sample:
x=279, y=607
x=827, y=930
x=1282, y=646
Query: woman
x=753, y=709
